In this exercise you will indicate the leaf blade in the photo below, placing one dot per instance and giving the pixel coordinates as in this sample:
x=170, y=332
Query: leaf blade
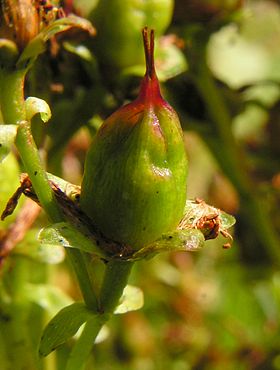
x=63, y=326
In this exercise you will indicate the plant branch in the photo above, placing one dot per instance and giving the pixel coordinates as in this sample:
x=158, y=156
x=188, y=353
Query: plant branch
x=13, y=112
x=85, y=342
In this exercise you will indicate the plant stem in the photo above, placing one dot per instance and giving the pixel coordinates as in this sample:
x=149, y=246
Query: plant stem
x=32, y=162
x=115, y=280
x=11, y=95
x=117, y=272
x=84, y=344
x=76, y=258
x=13, y=111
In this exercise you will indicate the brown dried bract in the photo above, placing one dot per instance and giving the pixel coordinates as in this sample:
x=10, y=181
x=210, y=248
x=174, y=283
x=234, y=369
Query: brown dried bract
x=207, y=219
x=25, y=183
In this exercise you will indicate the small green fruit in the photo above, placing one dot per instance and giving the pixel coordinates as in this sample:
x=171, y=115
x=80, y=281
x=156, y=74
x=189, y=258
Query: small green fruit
x=134, y=185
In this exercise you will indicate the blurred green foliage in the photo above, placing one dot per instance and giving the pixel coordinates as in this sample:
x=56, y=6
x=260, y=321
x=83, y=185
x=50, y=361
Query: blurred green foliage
x=220, y=63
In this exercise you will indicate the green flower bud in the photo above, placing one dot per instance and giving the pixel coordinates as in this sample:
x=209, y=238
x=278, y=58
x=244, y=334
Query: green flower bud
x=118, y=42
x=134, y=185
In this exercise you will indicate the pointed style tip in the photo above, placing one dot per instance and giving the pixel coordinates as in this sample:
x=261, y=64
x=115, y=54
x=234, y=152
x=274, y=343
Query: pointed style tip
x=149, y=41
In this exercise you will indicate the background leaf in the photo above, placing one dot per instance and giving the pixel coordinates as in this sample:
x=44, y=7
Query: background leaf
x=132, y=299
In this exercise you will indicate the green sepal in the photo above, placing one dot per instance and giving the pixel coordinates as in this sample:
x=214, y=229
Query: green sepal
x=180, y=240
x=68, y=236
x=7, y=134
x=63, y=326
x=227, y=220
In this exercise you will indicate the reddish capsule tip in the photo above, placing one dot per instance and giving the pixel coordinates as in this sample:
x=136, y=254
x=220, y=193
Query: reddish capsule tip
x=150, y=90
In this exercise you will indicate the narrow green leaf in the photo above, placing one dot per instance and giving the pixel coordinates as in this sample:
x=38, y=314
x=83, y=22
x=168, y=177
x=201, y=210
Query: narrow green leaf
x=132, y=299
x=63, y=326
x=7, y=138
x=68, y=236
x=35, y=106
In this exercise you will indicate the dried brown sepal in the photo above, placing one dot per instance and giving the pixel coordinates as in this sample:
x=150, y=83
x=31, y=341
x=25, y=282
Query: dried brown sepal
x=25, y=183
x=207, y=219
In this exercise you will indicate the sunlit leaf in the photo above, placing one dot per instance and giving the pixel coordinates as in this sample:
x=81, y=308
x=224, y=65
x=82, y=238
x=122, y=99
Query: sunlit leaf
x=63, y=326
x=7, y=138
x=132, y=299
x=35, y=106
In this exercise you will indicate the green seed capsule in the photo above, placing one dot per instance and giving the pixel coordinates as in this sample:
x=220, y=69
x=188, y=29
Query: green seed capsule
x=118, y=41
x=134, y=185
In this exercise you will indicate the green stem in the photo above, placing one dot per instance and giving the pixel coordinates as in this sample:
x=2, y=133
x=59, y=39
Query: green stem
x=76, y=258
x=84, y=344
x=232, y=160
x=32, y=162
x=117, y=272
x=13, y=111
x=218, y=112
x=115, y=280
x=11, y=95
